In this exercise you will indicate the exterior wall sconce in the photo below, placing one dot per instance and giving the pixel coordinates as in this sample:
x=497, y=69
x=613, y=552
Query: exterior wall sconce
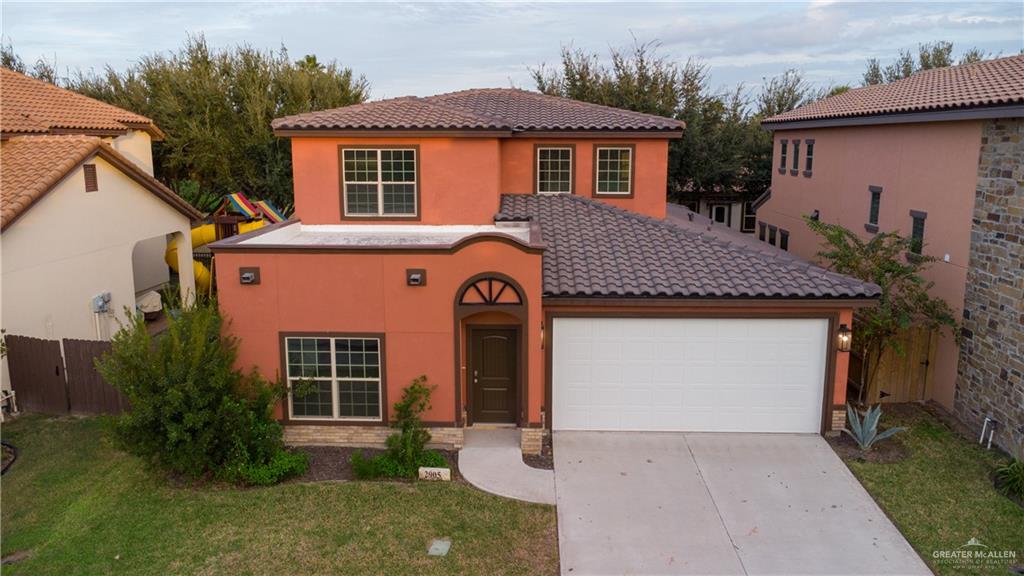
x=416, y=277
x=249, y=275
x=844, y=338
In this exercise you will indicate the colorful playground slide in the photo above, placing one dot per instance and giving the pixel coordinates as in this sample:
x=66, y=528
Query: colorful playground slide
x=201, y=236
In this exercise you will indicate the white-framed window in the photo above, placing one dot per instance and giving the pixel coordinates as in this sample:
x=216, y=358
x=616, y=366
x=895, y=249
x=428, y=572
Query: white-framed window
x=614, y=170
x=334, y=378
x=379, y=182
x=554, y=170
x=749, y=217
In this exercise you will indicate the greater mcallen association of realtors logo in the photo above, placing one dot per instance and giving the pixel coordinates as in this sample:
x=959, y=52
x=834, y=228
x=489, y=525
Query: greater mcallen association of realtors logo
x=975, y=553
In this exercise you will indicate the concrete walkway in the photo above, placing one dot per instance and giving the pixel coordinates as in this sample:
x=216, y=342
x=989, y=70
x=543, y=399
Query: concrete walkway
x=673, y=503
x=492, y=461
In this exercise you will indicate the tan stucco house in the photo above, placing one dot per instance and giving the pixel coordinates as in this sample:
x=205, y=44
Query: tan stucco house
x=82, y=214
x=938, y=156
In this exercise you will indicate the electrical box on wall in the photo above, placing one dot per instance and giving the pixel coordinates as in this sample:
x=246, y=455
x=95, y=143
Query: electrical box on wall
x=416, y=277
x=101, y=303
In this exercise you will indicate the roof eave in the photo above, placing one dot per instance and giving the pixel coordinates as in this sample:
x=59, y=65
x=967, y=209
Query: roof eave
x=946, y=115
x=713, y=301
x=293, y=132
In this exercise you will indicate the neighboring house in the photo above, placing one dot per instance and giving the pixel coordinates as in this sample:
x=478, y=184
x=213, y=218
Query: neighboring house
x=938, y=156
x=82, y=214
x=732, y=210
x=514, y=248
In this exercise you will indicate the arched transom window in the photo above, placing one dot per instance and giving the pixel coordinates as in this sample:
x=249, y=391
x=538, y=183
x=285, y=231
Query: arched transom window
x=491, y=291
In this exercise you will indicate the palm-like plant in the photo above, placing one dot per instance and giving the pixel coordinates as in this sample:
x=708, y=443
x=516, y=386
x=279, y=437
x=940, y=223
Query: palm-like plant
x=865, y=432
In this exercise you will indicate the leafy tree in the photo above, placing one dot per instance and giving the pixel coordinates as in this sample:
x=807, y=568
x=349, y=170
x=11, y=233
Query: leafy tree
x=785, y=92
x=930, y=55
x=905, y=302
x=43, y=69
x=215, y=107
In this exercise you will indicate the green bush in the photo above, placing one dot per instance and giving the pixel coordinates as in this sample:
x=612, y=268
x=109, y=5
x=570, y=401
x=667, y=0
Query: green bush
x=1010, y=479
x=191, y=411
x=406, y=449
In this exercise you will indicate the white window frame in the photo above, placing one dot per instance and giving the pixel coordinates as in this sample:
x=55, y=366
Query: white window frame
x=380, y=184
x=572, y=168
x=597, y=171
x=334, y=380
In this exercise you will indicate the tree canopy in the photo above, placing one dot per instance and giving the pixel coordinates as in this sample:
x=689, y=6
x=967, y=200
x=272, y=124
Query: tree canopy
x=930, y=55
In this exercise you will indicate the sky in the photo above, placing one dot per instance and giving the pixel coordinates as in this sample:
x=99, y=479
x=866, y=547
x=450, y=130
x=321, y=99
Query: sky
x=429, y=48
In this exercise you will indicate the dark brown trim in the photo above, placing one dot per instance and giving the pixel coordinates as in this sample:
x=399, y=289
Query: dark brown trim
x=872, y=228
x=283, y=376
x=632, y=170
x=383, y=218
x=91, y=181
x=948, y=115
x=830, y=348
x=233, y=245
x=99, y=132
x=919, y=214
x=520, y=366
x=520, y=312
x=474, y=133
x=573, y=163
x=558, y=301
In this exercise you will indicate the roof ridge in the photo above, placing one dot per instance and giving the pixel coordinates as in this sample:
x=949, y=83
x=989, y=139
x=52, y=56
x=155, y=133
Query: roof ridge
x=767, y=258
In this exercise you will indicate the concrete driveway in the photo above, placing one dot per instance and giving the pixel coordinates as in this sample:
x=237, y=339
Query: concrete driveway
x=673, y=503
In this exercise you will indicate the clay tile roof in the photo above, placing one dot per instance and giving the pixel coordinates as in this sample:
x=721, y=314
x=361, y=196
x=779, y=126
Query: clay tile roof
x=505, y=109
x=989, y=83
x=30, y=166
x=598, y=250
x=31, y=106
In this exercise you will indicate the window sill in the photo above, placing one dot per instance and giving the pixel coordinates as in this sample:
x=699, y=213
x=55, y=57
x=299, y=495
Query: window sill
x=611, y=194
x=873, y=228
x=782, y=171
x=794, y=172
x=807, y=173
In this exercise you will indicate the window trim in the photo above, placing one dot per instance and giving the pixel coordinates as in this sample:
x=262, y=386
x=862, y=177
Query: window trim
x=796, y=158
x=632, y=170
x=873, y=213
x=783, y=240
x=808, y=157
x=783, y=155
x=762, y=231
x=744, y=216
x=380, y=190
x=728, y=212
x=572, y=166
x=288, y=417
x=923, y=217
x=773, y=232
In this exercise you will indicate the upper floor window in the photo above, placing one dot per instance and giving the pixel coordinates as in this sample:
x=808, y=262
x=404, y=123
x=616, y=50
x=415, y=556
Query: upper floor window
x=614, y=170
x=749, y=217
x=380, y=182
x=334, y=378
x=917, y=231
x=761, y=230
x=772, y=231
x=809, y=160
x=554, y=170
x=876, y=203
x=784, y=239
x=796, y=157
x=782, y=156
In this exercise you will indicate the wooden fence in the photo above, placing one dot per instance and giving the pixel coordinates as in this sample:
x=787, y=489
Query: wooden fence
x=49, y=381
x=902, y=377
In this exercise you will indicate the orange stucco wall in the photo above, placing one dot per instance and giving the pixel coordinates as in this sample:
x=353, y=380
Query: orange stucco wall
x=367, y=293
x=928, y=167
x=461, y=179
x=651, y=171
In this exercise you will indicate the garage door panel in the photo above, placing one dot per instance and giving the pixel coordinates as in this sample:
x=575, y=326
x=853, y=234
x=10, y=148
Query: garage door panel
x=688, y=374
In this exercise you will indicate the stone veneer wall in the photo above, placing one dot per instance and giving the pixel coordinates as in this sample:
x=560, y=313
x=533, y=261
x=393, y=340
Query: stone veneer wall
x=363, y=436
x=991, y=373
x=838, y=421
x=531, y=440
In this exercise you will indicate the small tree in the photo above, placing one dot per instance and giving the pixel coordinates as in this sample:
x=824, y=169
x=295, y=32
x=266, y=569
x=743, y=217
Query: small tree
x=886, y=260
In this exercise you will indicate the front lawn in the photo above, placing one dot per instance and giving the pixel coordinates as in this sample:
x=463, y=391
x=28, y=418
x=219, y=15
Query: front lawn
x=77, y=505
x=941, y=495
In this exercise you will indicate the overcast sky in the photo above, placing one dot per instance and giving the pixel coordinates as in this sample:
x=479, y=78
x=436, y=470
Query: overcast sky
x=428, y=48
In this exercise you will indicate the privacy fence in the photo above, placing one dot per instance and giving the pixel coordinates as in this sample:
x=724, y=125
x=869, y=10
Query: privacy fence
x=60, y=377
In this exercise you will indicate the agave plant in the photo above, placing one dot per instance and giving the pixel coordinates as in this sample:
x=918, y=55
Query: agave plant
x=865, y=432
x=1010, y=478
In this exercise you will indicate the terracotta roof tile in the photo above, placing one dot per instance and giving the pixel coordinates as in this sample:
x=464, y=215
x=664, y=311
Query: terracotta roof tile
x=30, y=166
x=481, y=109
x=31, y=106
x=597, y=250
x=988, y=83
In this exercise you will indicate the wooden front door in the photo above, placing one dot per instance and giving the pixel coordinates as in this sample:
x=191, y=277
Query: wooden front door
x=493, y=365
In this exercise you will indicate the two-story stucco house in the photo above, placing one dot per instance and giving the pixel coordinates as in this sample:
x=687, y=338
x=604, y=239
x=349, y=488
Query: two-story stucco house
x=938, y=156
x=513, y=248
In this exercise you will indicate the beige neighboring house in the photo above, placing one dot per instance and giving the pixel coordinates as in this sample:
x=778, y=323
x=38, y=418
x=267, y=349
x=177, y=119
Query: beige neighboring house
x=82, y=214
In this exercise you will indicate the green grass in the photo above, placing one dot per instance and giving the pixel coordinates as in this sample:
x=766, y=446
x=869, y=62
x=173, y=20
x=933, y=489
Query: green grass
x=80, y=506
x=941, y=495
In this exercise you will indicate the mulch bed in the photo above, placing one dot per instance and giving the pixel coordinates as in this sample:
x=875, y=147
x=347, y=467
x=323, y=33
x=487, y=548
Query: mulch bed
x=331, y=463
x=545, y=460
x=887, y=451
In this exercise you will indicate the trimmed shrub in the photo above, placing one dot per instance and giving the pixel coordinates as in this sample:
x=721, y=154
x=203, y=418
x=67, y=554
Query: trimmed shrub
x=192, y=412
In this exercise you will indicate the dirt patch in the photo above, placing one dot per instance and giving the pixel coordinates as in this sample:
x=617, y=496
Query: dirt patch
x=15, y=557
x=546, y=459
x=887, y=451
x=332, y=463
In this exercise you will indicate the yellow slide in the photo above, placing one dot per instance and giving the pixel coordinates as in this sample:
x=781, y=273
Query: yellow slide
x=201, y=236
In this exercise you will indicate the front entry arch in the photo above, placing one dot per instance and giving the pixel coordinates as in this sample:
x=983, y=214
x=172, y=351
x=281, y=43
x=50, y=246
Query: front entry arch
x=491, y=350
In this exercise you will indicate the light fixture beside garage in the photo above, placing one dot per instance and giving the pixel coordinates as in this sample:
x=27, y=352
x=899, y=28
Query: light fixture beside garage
x=844, y=338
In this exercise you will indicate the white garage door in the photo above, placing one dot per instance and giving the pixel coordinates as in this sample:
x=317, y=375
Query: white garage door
x=676, y=374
